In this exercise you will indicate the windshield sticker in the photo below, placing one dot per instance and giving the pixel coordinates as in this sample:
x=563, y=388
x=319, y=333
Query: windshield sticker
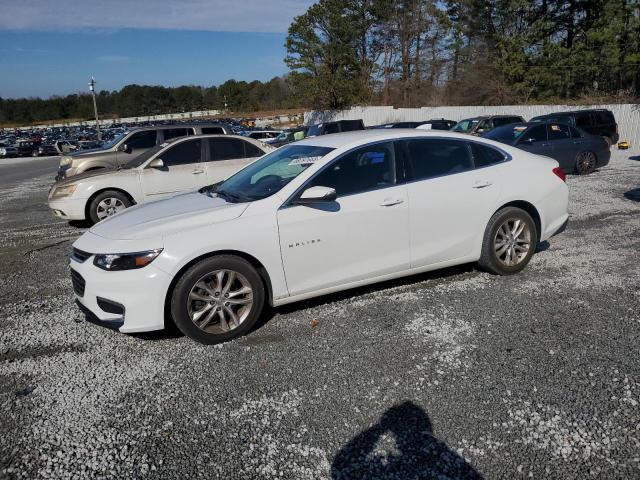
x=555, y=128
x=520, y=129
x=304, y=160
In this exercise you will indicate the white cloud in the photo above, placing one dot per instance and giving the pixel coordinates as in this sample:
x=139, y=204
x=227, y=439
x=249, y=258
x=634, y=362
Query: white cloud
x=210, y=15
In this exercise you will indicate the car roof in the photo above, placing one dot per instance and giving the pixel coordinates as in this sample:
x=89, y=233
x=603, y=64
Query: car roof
x=180, y=125
x=573, y=112
x=337, y=140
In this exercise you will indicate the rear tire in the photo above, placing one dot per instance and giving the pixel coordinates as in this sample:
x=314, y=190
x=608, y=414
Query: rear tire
x=509, y=242
x=106, y=204
x=218, y=299
x=585, y=163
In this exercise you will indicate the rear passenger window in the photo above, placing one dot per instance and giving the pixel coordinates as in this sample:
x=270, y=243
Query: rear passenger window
x=251, y=150
x=575, y=133
x=145, y=139
x=226, y=148
x=436, y=157
x=183, y=153
x=604, y=117
x=557, y=131
x=212, y=130
x=484, y=156
x=175, y=133
x=583, y=120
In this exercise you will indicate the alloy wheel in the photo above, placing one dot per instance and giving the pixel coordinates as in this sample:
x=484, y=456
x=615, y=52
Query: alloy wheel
x=512, y=242
x=109, y=206
x=586, y=163
x=220, y=301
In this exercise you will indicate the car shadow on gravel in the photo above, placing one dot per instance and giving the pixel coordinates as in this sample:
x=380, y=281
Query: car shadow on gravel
x=417, y=453
x=633, y=195
x=635, y=157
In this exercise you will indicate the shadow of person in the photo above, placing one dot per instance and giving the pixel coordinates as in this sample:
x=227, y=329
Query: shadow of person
x=418, y=454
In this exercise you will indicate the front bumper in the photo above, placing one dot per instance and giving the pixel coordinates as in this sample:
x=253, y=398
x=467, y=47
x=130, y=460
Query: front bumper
x=130, y=301
x=68, y=208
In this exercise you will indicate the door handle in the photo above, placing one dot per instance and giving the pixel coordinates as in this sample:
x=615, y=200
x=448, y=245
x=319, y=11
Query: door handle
x=545, y=144
x=389, y=202
x=577, y=142
x=197, y=171
x=482, y=184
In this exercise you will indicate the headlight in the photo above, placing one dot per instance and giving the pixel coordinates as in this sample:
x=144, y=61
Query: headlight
x=64, y=161
x=125, y=261
x=64, y=191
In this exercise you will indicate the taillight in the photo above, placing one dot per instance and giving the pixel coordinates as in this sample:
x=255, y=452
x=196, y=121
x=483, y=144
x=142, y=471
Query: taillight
x=560, y=173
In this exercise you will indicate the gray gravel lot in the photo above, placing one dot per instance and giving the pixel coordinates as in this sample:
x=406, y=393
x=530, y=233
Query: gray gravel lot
x=455, y=374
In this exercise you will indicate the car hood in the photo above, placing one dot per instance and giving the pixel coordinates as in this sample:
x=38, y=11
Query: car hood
x=156, y=220
x=92, y=152
x=92, y=173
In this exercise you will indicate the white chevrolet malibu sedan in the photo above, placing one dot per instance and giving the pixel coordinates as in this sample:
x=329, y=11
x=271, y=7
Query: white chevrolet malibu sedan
x=321, y=215
x=183, y=164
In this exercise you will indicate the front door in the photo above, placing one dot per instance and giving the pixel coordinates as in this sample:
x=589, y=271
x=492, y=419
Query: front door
x=363, y=234
x=535, y=140
x=183, y=170
x=564, y=147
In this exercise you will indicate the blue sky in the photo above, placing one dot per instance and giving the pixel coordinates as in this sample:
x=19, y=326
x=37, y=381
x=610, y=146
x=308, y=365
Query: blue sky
x=49, y=47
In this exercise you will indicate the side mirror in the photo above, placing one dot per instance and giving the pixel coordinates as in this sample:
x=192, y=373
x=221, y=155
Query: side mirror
x=316, y=195
x=156, y=163
x=125, y=148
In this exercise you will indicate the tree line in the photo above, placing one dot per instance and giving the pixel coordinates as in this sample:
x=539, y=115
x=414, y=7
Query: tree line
x=411, y=53
x=142, y=100
x=457, y=52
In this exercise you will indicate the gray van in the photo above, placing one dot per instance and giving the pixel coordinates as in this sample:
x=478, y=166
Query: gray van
x=128, y=146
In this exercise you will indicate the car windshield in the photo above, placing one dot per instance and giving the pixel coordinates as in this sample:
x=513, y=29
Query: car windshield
x=506, y=134
x=143, y=157
x=267, y=175
x=112, y=143
x=465, y=125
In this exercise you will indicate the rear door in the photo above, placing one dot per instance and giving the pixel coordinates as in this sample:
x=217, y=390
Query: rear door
x=227, y=156
x=448, y=198
x=183, y=170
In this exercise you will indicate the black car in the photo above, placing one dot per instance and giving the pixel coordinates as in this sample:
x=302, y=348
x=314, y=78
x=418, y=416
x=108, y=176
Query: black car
x=335, y=127
x=484, y=124
x=596, y=122
x=45, y=150
x=440, y=124
x=574, y=149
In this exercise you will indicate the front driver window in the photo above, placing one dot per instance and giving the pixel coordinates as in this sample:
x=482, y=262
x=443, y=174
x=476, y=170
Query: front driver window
x=361, y=170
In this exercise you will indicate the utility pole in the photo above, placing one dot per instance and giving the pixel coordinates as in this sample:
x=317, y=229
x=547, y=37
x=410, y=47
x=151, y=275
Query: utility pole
x=92, y=88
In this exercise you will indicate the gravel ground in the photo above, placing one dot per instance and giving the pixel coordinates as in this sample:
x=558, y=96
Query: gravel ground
x=454, y=374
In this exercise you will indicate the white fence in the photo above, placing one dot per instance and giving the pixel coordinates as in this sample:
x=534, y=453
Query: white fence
x=627, y=115
x=142, y=118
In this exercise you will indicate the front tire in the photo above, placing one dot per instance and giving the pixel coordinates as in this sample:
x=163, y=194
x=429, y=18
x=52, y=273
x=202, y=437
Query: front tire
x=218, y=299
x=106, y=204
x=509, y=242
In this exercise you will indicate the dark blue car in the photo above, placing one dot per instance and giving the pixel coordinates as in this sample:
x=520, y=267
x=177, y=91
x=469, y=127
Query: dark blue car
x=574, y=149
